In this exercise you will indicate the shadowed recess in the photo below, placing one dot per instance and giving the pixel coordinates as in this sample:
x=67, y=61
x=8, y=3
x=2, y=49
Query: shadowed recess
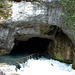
x=24, y=50
x=22, y=0
x=33, y=45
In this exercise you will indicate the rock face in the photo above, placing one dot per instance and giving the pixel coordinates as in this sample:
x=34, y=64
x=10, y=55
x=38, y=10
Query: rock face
x=40, y=18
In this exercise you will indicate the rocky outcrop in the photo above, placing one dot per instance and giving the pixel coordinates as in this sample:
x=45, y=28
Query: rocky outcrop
x=39, y=18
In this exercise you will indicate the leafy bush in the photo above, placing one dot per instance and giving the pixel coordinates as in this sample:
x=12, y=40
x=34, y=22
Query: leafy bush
x=4, y=9
x=69, y=5
x=70, y=10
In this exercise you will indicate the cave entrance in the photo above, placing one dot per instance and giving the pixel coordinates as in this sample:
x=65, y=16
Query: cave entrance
x=33, y=45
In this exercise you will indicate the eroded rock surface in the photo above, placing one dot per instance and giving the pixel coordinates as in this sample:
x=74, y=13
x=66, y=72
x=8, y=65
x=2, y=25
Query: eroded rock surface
x=42, y=19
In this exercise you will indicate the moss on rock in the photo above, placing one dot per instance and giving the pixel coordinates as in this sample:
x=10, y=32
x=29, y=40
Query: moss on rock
x=59, y=56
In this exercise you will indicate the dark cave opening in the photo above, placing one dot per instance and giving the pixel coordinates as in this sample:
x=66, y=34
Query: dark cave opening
x=22, y=0
x=33, y=45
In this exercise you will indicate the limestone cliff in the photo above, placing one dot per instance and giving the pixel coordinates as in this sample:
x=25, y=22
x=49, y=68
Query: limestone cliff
x=39, y=18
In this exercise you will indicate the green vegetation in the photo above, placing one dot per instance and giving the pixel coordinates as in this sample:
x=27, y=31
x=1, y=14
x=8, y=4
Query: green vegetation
x=69, y=5
x=38, y=3
x=31, y=0
x=11, y=5
x=59, y=56
x=4, y=10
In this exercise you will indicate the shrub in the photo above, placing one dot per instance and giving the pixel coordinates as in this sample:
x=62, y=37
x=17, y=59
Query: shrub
x=69, y=6
x=4, y=9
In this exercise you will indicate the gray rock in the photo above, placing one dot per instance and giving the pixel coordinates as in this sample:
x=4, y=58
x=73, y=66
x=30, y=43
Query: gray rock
x=41, y=18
